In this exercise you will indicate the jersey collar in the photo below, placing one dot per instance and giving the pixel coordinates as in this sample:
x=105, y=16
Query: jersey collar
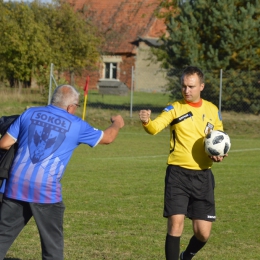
x=197, y=104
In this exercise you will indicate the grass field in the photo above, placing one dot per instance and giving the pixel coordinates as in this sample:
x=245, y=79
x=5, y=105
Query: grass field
x=114, y=196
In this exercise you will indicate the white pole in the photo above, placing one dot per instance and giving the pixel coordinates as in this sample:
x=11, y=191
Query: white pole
x=220, y=91
x=50, y=84
x=132, y=91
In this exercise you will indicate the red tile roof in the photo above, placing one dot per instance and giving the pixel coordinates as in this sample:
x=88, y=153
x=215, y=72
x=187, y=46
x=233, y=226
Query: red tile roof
x=123, y=21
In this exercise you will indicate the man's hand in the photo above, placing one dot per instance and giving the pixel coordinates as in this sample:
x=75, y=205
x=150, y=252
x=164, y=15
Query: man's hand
x=118, y=121
x=111, y=132
x=218, y=158
x=144, y=115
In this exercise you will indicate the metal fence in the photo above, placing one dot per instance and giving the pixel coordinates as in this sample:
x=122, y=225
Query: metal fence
x=230, y=90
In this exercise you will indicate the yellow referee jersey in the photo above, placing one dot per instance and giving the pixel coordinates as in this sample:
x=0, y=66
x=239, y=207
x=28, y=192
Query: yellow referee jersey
x=189, y=123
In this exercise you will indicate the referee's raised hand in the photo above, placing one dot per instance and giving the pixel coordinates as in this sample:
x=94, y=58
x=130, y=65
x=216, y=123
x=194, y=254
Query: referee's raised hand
x=144, y=115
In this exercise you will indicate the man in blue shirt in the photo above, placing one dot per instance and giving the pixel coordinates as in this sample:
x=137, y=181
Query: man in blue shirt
x=46, y=137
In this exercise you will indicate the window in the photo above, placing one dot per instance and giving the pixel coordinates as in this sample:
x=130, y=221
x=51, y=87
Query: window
x=110, y=70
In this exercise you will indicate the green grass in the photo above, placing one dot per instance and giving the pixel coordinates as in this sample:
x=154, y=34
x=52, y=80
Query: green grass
x=138, y=98
x=114, y=197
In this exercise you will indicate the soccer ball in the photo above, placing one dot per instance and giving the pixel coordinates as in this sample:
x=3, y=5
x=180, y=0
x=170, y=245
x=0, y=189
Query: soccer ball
x=217, y=143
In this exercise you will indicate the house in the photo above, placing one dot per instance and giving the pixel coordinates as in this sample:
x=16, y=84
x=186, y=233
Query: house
x=130, y=28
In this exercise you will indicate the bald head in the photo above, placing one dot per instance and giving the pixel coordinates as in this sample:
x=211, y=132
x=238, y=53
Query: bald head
x=65, y=95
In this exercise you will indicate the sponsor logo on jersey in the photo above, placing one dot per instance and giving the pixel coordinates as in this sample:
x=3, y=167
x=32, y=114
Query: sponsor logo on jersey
x=211, y=217
x=45, y=134
x=181, y=118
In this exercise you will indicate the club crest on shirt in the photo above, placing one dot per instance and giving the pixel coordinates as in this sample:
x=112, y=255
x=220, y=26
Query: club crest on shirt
x=209, y=127
x=45, y=134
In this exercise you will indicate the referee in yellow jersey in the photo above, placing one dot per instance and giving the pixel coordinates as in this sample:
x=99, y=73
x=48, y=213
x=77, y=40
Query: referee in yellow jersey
x=189, y=182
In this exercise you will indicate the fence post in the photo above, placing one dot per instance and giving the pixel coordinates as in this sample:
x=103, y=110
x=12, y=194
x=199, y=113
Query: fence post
x=132, y=90
x=50, y=84
x=220, y=91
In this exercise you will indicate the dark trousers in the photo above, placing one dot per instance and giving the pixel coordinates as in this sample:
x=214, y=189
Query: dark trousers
x=14, y=215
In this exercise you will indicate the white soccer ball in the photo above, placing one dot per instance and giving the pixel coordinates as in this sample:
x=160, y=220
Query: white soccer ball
x=217, y=143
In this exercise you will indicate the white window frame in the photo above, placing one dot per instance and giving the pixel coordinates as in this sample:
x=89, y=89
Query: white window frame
x=111, y=67
x=114, y=63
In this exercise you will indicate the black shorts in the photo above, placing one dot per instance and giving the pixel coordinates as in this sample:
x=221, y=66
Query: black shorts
x=189, y=192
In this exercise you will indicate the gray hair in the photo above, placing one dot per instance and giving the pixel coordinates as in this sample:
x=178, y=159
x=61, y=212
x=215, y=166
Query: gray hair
x=65, y=95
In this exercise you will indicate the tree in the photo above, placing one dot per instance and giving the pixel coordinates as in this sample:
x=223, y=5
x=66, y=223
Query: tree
x=33, y=35
x=74, y=42
x=22, y=42
x=3, y=22
x=212, y=35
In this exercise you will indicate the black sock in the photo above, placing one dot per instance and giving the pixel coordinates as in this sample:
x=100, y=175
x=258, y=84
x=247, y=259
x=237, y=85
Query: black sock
x=172, y=247
x=193, y=247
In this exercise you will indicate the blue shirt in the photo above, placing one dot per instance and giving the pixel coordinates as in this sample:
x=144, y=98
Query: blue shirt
x=47, y=137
